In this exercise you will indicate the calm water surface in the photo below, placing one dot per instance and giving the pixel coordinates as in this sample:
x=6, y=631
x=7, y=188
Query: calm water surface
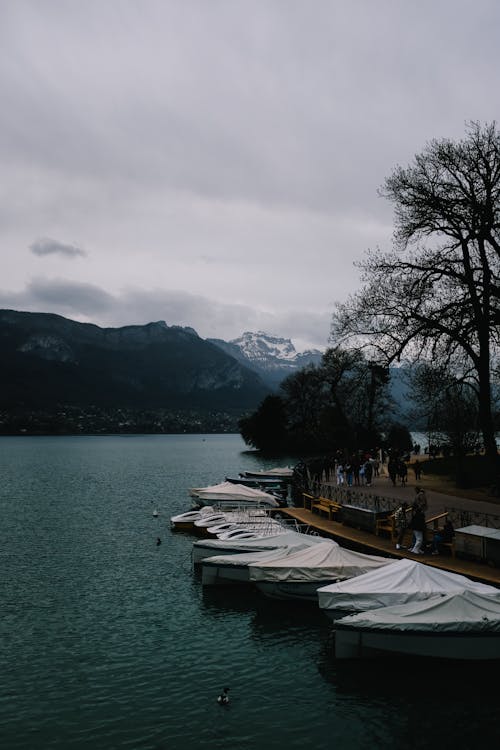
x=109, y=641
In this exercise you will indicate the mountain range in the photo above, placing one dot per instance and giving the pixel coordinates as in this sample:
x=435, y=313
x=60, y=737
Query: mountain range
x=50, y=360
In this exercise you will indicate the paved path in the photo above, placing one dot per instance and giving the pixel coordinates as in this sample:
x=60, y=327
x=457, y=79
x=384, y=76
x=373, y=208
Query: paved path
x=436, y=501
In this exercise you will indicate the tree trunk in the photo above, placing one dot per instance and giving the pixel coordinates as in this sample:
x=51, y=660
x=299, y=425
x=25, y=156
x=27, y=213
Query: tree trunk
x=486, y=418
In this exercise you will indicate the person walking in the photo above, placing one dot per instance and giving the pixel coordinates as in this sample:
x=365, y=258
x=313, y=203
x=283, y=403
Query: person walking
x=392, y=468
x=340, y=473
x=368, y=467
x=402, y=472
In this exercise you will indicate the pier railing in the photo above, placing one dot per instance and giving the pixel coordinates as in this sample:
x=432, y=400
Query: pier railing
x=345, y=495
x=461, y=518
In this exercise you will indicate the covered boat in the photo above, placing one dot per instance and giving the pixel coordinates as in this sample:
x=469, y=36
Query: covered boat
x=261, y=483
x=231, y=495
x=398, y=583
x=279, y=472
x=300, y=574
x=210, y=547
x=458, y=625
x=223, y=570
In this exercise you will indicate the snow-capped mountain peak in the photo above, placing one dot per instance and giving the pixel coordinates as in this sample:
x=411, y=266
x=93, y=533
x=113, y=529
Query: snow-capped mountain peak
x=261, y=346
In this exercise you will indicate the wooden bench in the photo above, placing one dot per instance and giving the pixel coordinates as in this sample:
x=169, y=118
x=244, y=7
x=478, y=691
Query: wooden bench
x=386, y=525
x=308, y=500
x=323, y=505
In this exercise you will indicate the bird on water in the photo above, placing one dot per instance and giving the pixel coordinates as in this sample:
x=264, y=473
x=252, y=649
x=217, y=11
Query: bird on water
x=223, y=698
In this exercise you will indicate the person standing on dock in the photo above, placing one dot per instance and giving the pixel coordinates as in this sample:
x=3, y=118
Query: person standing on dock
x=417, y=523
x=420, y=498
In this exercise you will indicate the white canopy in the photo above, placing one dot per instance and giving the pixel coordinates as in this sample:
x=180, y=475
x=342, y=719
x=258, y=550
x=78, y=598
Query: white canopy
x=459, y=612
x=400, y=582
x=326, y=560
x=236, y=492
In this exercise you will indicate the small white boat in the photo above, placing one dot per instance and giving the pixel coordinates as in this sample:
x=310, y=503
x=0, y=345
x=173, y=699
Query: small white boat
x=185, y=521
x=279, y=472
x=201, y=525
x=462, y=625
x=401, y=582
x=239, y=533
x=220, y=527
x=300, y=574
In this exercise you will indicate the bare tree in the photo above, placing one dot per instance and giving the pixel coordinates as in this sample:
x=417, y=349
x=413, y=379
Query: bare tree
x=436, y=296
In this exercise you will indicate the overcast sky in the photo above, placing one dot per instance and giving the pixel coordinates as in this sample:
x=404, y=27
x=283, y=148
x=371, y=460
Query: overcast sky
x=215, y=163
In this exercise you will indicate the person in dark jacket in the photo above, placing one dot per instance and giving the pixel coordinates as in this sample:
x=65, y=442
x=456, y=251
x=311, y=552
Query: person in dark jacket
x=417, y=524
x=392, y=468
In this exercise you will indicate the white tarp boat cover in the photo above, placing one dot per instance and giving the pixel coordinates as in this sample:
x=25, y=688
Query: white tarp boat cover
x=460, y=612
x=326, y=560
x=284, y=471
x=236, y=492
x=242, y=559
x=285, y=539
x=402, y=581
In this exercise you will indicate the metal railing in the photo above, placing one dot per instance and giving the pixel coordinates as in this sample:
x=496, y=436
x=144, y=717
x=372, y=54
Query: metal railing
x=345, y=495
x=461, y=518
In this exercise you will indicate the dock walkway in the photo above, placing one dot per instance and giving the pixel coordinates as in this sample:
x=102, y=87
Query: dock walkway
x=367, y=541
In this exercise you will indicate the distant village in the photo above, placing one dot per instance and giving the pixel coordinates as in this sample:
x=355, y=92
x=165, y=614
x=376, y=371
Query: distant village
x=96, y=420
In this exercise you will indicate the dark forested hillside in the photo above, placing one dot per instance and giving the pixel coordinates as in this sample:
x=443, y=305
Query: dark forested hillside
x=48, y=360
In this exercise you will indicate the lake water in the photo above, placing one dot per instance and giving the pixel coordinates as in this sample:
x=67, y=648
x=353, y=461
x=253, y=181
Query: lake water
x=109, y=641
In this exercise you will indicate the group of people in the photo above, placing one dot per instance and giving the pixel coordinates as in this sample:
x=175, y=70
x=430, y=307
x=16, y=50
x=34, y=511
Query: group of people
x=357, y=472
x=416, y=523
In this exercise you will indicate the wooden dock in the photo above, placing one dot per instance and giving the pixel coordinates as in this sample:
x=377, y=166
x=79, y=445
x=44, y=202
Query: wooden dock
x=365, y=541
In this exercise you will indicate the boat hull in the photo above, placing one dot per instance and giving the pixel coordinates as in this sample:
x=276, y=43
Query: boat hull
x=351, y=643
x=297, y=590
x=224, y=575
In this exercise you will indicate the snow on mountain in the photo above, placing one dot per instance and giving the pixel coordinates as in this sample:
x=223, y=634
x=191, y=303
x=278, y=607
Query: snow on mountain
x=260, y=347
x=272, y=357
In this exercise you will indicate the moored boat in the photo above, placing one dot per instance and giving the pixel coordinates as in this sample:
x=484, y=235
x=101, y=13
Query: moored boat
x=401, y=582
x=229, y=495
x=210, y=547
x=282, y=472
x=263, y=483
x=300, y=574
x=222, y=570
x=462, y=625
x=185, y=521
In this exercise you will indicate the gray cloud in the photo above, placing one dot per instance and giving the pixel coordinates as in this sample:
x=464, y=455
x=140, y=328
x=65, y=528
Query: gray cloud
x=211, y=319
x=46, y=246
x=222, y=160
